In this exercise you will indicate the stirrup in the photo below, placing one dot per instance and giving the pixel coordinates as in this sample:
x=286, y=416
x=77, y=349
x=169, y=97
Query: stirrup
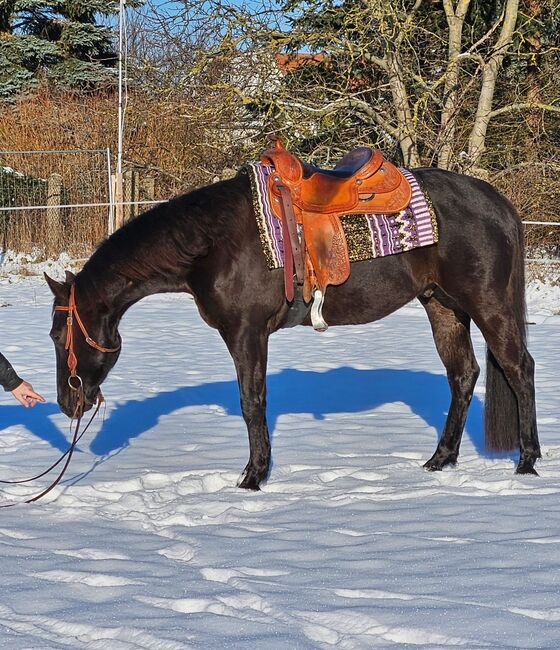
x=317, y=320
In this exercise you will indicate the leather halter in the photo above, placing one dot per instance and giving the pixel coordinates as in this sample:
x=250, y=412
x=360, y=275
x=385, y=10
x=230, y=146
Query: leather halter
x=72, y=310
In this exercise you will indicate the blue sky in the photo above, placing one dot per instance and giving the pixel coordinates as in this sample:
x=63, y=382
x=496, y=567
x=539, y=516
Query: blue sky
x=174, y=6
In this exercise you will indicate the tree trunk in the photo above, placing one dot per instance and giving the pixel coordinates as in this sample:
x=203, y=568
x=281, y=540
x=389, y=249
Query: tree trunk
x=455, y=21
x=7, y=8
x=490, y=69
x=534, y=92
x=405, y=127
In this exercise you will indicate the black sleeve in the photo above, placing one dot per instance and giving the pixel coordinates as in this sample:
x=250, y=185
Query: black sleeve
x=8, y=377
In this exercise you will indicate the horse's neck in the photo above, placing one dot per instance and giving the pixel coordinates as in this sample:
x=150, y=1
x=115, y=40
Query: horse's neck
x=152, y=254
x=158, y=252
x=119, y=293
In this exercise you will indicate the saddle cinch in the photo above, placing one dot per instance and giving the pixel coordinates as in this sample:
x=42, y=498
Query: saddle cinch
x=312, y=201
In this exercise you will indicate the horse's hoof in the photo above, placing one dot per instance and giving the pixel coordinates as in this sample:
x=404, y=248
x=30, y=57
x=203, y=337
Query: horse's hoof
x=436, y=465
x=432, y=467
x=526, y=468
x=249, y=483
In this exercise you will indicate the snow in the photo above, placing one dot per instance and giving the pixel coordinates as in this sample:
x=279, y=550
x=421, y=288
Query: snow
x=350, y=544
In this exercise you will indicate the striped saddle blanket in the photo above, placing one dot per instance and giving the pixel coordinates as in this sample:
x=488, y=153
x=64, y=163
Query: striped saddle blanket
x=368, y=236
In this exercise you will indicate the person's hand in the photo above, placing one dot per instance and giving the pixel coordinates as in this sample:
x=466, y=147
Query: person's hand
x=25, y=395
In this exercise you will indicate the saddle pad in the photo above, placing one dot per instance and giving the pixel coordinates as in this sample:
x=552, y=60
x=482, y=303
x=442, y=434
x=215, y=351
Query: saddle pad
x=368, y=235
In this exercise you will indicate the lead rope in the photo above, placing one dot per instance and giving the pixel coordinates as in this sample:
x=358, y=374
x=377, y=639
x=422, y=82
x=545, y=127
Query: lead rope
x=67, y=454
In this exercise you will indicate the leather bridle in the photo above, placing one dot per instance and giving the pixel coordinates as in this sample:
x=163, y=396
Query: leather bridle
x=72, y=310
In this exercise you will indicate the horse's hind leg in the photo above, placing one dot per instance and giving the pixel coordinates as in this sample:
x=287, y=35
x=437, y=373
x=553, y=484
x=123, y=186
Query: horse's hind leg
x=249, y=349
x=450, y=328
x=510, y=419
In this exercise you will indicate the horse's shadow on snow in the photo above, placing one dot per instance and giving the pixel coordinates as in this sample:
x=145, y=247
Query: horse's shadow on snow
x=340, y=390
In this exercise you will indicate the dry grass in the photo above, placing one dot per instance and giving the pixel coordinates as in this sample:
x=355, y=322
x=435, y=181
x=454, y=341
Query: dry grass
x=534, y=188
x=179, y=144
x=172, y=144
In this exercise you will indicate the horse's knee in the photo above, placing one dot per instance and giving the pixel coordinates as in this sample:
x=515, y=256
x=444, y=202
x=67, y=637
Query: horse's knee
x=471, y=373
x=253, y=408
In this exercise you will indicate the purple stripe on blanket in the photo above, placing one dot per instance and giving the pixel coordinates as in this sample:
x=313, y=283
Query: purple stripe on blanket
x=368, y=236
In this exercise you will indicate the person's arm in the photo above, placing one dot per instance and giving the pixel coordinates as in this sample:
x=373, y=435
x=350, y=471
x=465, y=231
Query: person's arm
x=8, y=376
x=20, y=389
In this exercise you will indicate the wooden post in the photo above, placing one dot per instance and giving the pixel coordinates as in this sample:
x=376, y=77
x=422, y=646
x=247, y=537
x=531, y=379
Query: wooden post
x=135, y=195
x=118, y=194
x=54, y=212
x=148, y=187
x=131, y=194
x=127, y=194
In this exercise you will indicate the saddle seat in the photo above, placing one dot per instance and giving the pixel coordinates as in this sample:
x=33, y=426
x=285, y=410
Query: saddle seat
x=361, y=182
x=348, y=165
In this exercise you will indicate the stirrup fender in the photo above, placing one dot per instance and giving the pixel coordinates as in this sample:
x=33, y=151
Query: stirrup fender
x=363, y=181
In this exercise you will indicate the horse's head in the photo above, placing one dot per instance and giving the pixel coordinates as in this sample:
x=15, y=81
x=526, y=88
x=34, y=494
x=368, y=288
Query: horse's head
x=86, y=343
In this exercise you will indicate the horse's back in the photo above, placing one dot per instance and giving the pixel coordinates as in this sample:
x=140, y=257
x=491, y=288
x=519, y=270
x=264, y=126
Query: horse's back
x=466, y=201
x=479, y=243
x=480, y=246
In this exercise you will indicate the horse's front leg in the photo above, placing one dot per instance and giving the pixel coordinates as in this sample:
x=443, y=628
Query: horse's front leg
x=249, y=349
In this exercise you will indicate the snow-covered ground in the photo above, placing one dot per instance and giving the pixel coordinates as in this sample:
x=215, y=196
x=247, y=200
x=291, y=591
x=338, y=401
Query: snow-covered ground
x=351, y=544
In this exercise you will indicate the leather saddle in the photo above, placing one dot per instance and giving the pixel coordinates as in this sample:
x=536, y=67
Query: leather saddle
x=362, y=182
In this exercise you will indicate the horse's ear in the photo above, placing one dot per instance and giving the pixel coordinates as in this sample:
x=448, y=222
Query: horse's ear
x=59, y=289
x=70, y=277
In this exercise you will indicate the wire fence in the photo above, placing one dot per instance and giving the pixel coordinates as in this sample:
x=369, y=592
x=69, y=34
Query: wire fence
x=55, y=201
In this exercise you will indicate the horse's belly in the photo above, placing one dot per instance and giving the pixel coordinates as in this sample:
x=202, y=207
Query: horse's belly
x=375, y=289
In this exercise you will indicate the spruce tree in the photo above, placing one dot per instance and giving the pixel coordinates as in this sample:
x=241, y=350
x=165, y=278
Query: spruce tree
x=60, y=40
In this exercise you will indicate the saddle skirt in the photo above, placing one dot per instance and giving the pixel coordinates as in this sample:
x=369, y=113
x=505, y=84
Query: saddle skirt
x=369, y=236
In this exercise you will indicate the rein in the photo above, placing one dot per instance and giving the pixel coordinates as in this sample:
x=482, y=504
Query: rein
x=68, y=453
x=72, y=310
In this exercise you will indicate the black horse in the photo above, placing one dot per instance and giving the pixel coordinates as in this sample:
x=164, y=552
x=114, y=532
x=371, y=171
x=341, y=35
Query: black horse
x=206, y=243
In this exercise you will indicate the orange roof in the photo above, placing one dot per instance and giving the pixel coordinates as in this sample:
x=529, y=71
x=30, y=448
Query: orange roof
x=287, y=62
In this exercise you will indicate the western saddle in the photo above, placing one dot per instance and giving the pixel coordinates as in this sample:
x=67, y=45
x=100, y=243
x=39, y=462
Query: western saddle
x=312, y=201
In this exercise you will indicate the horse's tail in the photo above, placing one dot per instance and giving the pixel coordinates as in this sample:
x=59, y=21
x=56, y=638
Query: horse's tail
x=501, y=419
x=501, y=415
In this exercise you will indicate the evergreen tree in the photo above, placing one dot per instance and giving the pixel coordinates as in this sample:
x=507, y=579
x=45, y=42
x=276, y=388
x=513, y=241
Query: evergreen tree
x=61, y=40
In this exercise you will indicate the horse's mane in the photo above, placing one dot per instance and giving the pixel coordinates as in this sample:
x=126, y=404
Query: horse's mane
x=167, y=238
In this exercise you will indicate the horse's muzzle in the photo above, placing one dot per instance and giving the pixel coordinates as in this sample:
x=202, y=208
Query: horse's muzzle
x=69, y=405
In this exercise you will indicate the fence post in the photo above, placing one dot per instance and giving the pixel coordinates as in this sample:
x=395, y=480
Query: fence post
x=131, y=193
x=110, y=195
x=148, y=186
x=135, y=196
x=118, y=194
x=54, y=212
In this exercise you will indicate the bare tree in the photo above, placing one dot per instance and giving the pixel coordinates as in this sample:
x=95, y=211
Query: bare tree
x=420, y=75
